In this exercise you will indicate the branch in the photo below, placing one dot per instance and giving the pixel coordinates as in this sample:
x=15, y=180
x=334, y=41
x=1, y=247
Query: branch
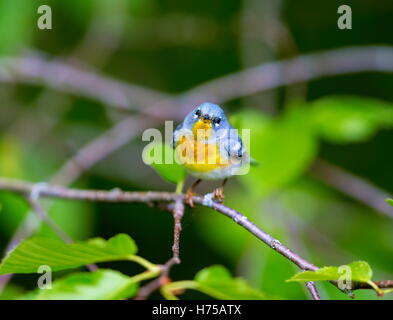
x=42, y=214
x=150, y=197
x=302, y=68
x=383, y=284
x=265, y=76
x=33, y=200
x=145, y=291
x=55, y=74
x=87, y=83
x=178, y=213
x=353, y=186
x=313, y=290
x=257, y=232
x=84, y=159
x=99, y=148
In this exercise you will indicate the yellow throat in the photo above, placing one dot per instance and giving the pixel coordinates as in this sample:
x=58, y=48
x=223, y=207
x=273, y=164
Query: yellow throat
x=202, y=129
x=200, y=156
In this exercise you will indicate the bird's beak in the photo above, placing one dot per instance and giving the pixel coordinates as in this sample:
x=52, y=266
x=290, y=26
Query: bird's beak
x=205, y=125
x=206, y=120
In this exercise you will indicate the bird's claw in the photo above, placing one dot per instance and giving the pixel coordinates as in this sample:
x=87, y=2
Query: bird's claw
x=189, y=198
x=218, y=194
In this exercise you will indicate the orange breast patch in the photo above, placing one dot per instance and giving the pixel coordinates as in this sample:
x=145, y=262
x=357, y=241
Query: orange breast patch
x=200, y=156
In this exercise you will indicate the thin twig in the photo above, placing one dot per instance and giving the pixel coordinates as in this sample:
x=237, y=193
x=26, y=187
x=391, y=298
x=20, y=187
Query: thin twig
x=84, y=159
x=149, y=197
x=35, y=69
x=259, y=233
x=383, y=284
x=41, y=213
x=33, y=200
x=149, y=288
x=294, y=232
x=61, y=76
x=178, y=212
x=356, y=59
x=299, y=69
x=99, y=148
x=313, y=290
x=354, y=186
x=24, y=230
x=145, y=291
x=56, y=74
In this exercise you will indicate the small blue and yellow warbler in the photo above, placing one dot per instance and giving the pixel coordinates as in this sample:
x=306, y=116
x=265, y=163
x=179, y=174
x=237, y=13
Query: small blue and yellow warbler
x=209, y=147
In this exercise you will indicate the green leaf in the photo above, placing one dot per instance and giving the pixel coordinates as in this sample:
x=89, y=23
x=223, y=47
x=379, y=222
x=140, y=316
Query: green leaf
x=390, y=202
x=360, y=271
x=11, y=160
x=250, y=119
x=74, y=217
x=11, y=291
x=344, y=119
x=284, y=149
x=98, y=285
x=217, y=282
x=35, y=252
x=16, y=24
x=172, y=171
x=14, y=209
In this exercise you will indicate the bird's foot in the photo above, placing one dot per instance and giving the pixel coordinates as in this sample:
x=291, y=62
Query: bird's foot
x=218, y=194
x=189, y=195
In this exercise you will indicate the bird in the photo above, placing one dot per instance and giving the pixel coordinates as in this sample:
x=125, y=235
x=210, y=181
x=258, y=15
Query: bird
x=209, y=148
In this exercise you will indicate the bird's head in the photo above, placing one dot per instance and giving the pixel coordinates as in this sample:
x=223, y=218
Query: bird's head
x=208, y=118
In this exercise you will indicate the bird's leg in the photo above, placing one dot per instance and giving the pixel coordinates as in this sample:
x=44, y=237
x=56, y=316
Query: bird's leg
x=190, y=193
x=218, y=193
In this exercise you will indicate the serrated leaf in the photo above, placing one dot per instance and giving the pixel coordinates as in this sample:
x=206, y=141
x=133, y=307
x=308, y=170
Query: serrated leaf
x=35, y=252
x=98, y=285
x=344, y=119
x=217, y=282
x=172, y=172
x=356, y=271
x=390, y=202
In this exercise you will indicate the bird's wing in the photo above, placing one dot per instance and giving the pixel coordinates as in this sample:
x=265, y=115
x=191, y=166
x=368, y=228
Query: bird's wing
x=176, y=135
x=232, y=144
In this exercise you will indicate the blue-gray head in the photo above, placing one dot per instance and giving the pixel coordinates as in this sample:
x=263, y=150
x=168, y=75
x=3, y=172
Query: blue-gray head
x=209, y=113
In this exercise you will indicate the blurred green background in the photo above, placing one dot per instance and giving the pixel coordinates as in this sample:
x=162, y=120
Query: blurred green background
x=171, y=46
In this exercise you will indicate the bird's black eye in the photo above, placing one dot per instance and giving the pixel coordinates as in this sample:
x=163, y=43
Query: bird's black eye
x=217, y=120
x=198, y=112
